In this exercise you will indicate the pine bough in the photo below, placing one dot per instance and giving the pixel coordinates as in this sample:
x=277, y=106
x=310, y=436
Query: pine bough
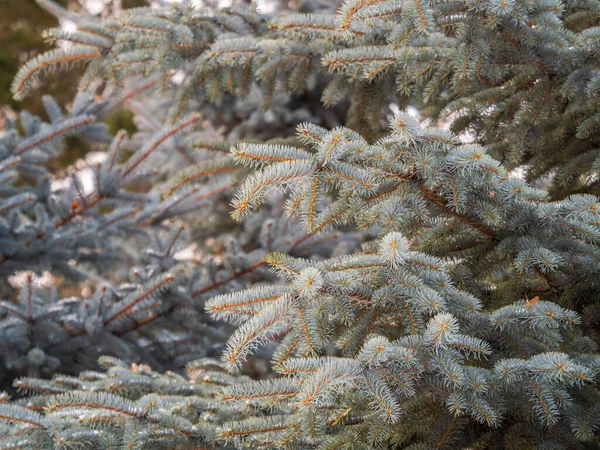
x=409, y=289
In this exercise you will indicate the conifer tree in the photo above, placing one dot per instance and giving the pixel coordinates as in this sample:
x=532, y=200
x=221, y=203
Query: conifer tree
x=314, y=236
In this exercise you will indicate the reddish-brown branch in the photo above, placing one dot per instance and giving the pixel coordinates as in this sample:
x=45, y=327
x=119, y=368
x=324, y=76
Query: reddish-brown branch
x=439, y=201
x=44, y=64
x=56, y=133
x=235, y=275
x=446, y=434
x=201, y=174
x=77, y=212
x=127, y=309
x=157, y=143
x=17, y=419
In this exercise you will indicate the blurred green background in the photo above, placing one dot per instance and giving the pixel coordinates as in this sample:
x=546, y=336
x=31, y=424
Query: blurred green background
x=21, y=26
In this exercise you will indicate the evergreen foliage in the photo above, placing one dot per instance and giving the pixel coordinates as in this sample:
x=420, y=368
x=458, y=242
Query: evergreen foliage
x=521, y=77
x=278, y=200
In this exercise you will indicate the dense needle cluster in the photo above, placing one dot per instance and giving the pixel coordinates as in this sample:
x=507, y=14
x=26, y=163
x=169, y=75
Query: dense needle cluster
x=362, y=225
